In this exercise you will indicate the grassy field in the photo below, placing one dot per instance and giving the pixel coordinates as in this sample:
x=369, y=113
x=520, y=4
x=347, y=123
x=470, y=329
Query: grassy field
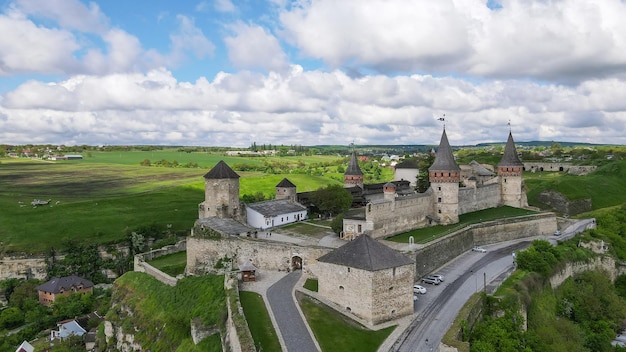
x=335, y=332
x=259, y=322
x=428, y=234
x=171, y=264
x=97, y=203
x=605, y=186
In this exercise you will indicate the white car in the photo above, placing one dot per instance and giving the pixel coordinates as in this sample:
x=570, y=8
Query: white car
x=439, y=276
x=479, y=249
x=419, y=289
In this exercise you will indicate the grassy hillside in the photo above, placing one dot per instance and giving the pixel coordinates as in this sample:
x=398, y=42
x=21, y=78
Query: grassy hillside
x=163, y=313
x=606, y=186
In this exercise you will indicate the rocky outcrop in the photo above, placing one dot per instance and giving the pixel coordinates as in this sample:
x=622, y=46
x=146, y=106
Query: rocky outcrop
x=561, y=204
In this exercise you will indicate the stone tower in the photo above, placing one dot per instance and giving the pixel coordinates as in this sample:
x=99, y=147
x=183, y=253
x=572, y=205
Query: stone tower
x=353, y=175
x=510, y=170
x=389, y=191
x=221, y=193
x=444, y=176
x=286, y=190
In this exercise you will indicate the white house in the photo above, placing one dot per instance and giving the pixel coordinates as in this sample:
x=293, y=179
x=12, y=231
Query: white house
x=263, y=215
x=66, y=329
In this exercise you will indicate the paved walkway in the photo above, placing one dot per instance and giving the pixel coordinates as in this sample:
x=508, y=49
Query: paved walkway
x=293, y=328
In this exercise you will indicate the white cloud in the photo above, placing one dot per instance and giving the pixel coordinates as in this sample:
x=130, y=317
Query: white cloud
x=567, y=40
x=190, y=38
x=224, y=6
x=306, y=107
x=27, y=48
x=254, y=47
x=69, y=14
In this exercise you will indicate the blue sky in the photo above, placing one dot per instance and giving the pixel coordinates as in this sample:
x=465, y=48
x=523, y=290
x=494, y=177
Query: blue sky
x=229, y=73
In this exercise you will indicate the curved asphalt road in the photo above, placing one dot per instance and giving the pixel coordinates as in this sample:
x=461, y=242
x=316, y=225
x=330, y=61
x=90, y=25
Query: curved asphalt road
x=440, y=306
x=290, y=323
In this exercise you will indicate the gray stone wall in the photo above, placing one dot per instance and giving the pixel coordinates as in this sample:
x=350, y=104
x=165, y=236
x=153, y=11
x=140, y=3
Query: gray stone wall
x=445, y=249
x=479, y=198
x=204, y=254
x=401, y=215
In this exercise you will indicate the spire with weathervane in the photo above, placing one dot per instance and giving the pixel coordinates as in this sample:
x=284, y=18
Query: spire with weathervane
x=444, y=175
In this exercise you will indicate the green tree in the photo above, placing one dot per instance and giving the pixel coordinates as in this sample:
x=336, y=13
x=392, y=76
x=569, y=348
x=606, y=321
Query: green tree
x=332, y=199
x=423, y=181
x=11, y=317
x=337, y=223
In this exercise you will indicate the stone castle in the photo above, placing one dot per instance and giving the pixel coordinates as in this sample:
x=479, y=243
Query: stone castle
x=365, y=278
x=453, y=191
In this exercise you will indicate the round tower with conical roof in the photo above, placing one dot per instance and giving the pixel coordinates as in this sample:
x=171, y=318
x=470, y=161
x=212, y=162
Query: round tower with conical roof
x=444, y=176
x=221, y=193
x=353, y=175
x=510, y=170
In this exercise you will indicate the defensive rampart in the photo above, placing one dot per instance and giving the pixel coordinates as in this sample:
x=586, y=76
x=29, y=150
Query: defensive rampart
x=439, y=252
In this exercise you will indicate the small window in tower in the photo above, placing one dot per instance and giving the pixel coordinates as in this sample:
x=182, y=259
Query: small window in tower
x=348, y=269
x=391, y=288
x=341, y=288
x=505, y=180
x=439, y=188
x=448, y=174
x=439, y=211
x=439, y=200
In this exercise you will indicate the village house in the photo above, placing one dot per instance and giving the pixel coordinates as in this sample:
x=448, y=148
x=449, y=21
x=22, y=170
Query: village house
x=62, y=286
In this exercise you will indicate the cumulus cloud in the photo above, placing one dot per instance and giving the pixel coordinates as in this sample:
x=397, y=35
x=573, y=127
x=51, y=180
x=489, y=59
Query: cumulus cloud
x=70, y=14
x=253, y=47
x=566, y=41
x=305, y=107
x=80, y=41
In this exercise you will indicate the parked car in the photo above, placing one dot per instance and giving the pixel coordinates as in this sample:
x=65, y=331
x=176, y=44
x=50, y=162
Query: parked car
x=557, y=233
x=439, y=276
x=479, y=249
x=431, y=280
x=419, y=289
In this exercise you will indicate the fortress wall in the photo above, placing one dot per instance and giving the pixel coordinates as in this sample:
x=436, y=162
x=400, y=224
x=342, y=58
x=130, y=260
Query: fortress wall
x=203, y=254
x=543, y=224
x=445, y=249
x=409, y=213
x=473, y=199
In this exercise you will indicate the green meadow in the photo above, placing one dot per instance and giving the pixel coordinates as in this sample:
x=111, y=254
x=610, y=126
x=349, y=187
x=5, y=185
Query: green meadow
x=99, y=198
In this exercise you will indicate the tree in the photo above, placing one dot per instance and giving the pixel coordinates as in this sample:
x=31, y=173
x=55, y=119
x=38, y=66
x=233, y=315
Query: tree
x=422, y=177
x=337, y=224
x=11, y=317
x=332, y=199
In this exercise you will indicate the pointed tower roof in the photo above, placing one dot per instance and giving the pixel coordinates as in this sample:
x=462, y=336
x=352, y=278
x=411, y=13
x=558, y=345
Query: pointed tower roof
x=285, y=183
x=367, y=254
x=444, y=160
x=510, y=157
x=353, y=167
x=220, y=171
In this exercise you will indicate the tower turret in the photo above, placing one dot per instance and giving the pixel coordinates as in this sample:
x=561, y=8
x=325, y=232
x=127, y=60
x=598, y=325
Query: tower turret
x=444, y=176
x=510, y=170
x=353, y=175
x=389, y=191
x=221, y=193
x=285, y=189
